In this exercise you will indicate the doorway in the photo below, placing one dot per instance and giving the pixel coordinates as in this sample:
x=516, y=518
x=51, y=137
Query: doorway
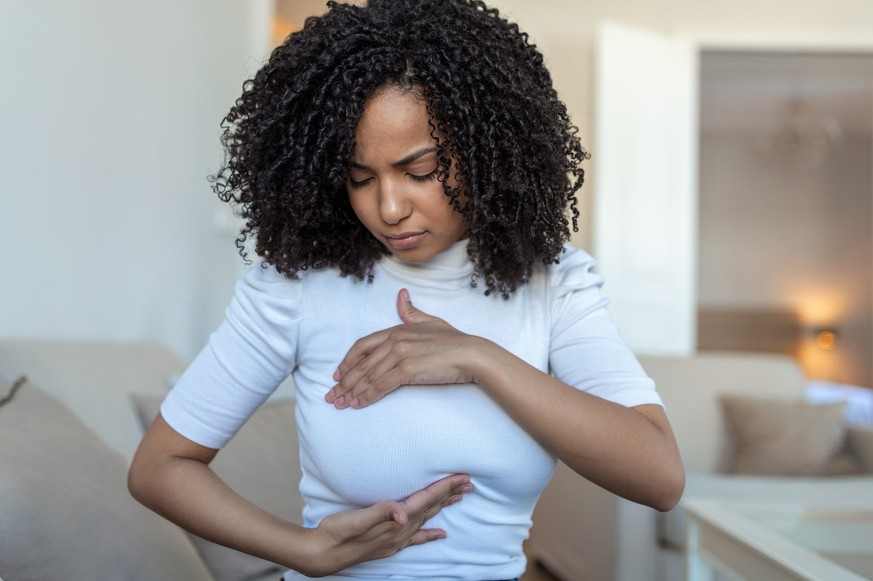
x=786, y=203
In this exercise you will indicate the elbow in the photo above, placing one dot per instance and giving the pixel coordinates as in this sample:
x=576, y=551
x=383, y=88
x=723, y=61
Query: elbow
x=669, y=492
x=664, y=485
x=142, y=477
x=670, y=499
x=135, y=485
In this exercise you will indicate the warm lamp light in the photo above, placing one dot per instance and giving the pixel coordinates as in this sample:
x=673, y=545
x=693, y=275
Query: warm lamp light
x=826, y=339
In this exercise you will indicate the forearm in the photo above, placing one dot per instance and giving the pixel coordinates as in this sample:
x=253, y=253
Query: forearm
x=194, y=498
x=170, y=474
x=629, y=451
x=187, y=492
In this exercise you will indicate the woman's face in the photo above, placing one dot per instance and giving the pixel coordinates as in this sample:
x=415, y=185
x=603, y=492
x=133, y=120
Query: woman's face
x=392, y=183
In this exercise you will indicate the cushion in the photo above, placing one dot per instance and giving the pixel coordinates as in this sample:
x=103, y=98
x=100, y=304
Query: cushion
x=66, y=512
x=79, y=373
x=787, y=437
x=262, y=464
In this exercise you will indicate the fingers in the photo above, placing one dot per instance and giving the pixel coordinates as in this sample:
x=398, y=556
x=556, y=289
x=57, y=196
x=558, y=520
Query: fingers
x=394, y=511
x=365, y=520
x=359, y=351
x=438, y=495
x=415, y=510
x=426, y=503
x=422, y=536
x=362, y=387
x=385, y=528
x=423, y=350
x=408, y=313
x=402, y=358
x=380, y=372
x=364, y=346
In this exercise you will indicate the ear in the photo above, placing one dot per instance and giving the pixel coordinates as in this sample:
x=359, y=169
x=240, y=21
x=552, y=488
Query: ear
x=407, y=311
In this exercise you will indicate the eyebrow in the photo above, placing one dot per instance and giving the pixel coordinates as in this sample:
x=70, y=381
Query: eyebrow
x=405, y=161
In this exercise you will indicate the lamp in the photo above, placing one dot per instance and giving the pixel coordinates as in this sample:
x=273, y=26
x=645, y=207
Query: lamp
x=825, y=338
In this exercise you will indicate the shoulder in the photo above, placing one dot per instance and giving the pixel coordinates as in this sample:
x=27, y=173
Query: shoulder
x=265, y=294
x=263, y=280
x=575, y=270
x=264, y=287
x=264, y=277
x=570, y=287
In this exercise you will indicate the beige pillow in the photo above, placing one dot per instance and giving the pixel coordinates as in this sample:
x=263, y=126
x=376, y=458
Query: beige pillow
x=787, y=437
x=65, y=512
x=261, y=463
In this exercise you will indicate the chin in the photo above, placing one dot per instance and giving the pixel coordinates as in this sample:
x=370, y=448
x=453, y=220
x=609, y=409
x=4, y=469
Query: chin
x=413, y=255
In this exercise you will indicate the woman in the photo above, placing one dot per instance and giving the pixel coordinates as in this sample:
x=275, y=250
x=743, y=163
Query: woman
x=410, y=150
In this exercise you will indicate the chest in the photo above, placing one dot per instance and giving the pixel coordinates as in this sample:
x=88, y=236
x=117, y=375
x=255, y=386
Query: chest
x=330, y=327
x=416, y=434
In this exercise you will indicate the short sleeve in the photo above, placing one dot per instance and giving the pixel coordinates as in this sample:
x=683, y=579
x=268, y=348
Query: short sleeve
x=587, y=350
x=245, y=360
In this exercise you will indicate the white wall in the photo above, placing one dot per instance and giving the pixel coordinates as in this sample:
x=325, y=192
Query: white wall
x=110, y=126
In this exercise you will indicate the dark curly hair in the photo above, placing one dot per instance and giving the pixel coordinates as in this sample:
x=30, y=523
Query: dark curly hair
x=290, y=136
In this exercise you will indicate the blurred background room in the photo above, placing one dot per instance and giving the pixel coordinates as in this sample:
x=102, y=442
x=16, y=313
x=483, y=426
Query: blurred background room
x=730, y=176
x=728, y=200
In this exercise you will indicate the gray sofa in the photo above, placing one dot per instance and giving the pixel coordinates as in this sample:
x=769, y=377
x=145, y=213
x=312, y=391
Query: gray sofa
x=67, y=435
x=582, y=532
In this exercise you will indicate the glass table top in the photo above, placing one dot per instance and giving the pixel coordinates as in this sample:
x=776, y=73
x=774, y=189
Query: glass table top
x=842, y=532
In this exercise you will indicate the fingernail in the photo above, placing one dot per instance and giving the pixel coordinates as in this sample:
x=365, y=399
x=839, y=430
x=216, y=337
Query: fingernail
x=441, y=535
x=339, y=401
x=336, y=374
x=329, y=396
x=355, y=403
x=467, y=488
x=455, y=499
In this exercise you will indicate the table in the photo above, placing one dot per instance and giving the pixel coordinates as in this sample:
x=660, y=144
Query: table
x=773, y=541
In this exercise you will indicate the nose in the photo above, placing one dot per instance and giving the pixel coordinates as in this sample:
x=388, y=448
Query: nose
x=394, y=203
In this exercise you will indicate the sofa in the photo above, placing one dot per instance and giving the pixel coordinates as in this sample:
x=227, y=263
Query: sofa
x=744, y=432
x=71, y=416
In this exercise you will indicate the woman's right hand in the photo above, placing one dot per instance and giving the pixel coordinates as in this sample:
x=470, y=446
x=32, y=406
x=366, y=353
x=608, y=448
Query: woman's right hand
x=171, y=475
x=355, y=536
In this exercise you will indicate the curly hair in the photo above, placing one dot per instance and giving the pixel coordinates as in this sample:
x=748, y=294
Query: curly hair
x=494, y=114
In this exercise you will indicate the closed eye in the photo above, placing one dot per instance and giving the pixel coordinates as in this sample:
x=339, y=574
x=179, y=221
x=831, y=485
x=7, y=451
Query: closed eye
x=359, y=183
x=424, y=178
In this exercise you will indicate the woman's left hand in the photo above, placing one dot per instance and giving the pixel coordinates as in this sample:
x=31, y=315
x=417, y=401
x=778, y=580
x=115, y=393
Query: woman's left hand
x=423, y=350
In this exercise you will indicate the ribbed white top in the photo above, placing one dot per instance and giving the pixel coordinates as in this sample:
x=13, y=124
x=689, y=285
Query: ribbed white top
x=417, y=434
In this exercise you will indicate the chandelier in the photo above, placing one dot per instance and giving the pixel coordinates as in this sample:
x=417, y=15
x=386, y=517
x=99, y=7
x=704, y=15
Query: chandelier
x=801, y=134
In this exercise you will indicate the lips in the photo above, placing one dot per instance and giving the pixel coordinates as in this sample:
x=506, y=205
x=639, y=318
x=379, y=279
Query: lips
x=405, y=240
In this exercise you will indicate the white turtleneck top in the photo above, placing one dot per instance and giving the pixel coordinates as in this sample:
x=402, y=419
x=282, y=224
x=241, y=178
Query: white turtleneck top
x=275, y=326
